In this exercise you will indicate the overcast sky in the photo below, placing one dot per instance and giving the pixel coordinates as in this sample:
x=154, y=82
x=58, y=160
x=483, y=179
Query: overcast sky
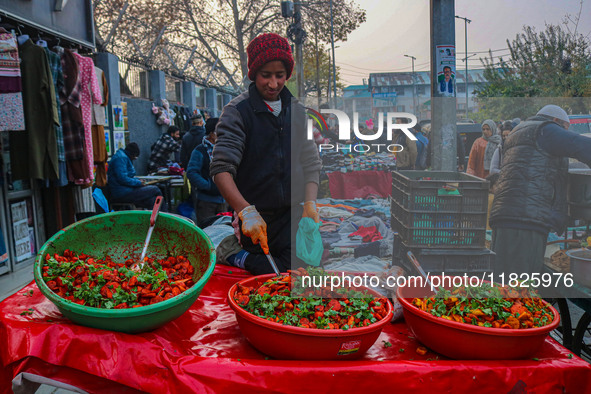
x=398, y=27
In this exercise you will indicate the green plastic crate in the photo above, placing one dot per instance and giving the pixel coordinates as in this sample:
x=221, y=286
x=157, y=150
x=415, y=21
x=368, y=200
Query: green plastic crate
x=449, y=210
x=449, y=261
x=439, y=229
x=414, y=193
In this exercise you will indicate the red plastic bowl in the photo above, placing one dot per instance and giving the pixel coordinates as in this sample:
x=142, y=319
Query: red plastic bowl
x=462, y=341
x=296, y=343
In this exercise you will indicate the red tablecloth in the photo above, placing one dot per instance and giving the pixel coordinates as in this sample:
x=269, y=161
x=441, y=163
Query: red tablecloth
x=360, y=184
x=204, y=351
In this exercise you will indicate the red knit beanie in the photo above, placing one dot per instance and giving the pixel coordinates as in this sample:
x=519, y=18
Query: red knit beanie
x=266, y=48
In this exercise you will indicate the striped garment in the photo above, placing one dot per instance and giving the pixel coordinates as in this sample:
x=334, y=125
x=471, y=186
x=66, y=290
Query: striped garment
x=161, y=150
x=55, y=66
x=12, y=115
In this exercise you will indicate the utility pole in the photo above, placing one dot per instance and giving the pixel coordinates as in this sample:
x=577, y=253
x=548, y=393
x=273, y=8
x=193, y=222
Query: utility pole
x=319, y=53
x=414, y=86
x=290, y=9
x=328, y=87
x=443, y=109
x=299, y=35
x=334, y=67
x=466, y=21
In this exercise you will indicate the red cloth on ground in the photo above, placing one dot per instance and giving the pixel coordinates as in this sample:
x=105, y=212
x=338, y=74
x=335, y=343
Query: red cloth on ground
x=368, y=234
x=359, y=184
x=204, y=351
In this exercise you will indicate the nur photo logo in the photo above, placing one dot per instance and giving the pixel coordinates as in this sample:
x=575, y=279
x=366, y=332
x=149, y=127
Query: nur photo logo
x=352, y=139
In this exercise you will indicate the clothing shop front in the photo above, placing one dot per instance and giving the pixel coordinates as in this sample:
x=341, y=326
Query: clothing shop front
x=52, y=142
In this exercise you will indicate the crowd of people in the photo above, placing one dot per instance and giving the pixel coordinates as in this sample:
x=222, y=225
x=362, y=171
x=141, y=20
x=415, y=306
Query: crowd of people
x=530, y=187
x=170, y=150
x=527, y=165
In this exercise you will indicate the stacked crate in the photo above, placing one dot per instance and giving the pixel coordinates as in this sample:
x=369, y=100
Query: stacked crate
x=441, y=217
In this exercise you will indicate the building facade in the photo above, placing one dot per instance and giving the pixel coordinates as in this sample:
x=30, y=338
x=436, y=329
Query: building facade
x=396, y=91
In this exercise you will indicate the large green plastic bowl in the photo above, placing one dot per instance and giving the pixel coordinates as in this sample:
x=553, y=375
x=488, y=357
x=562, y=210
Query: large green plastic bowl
x=120, y=234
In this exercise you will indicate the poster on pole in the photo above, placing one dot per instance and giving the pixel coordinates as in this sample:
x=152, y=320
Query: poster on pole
x=445, y=62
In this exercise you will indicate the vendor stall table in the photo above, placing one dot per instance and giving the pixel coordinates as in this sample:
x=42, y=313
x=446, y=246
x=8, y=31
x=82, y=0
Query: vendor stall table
x=204, y=351
x=162, y=181
x=360, y=184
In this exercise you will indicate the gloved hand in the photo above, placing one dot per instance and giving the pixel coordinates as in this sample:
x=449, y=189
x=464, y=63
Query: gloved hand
x=254, y=227
x=310, y=211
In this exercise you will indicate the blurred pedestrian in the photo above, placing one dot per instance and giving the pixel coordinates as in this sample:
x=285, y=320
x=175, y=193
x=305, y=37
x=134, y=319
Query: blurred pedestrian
x=497, y=158
x=124, y=187
x=208, y=200
x=483, y=150
x=167, y=144
x=191, y=139
x=530, y=198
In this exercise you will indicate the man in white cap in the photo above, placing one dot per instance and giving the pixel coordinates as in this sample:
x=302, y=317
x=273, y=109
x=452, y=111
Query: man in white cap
x=530, y=195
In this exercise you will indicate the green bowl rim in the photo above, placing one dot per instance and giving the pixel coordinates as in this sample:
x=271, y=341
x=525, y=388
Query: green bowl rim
x=127, y=312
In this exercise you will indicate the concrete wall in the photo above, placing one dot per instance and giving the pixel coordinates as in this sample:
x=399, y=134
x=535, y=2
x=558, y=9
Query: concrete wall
x=211, y=102
x=143, y=130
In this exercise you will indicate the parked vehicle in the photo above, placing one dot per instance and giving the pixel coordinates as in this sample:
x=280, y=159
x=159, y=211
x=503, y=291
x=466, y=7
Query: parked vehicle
x=580, y=123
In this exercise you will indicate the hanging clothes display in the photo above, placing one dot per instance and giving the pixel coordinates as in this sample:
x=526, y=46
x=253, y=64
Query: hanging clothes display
x=99, y=144
x=55, y=65
x=89, y=92
x=12, y=115
x=179, y=121
x=72, y=123
x=11, y=103
x=33, y=153
x=187, y=117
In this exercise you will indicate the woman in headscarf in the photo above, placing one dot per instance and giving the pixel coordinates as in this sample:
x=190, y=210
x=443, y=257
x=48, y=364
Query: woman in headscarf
x=483, y=150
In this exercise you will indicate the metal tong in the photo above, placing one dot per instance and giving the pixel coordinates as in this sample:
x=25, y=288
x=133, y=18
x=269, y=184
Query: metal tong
x=272, y=262
x=416, y=264
x=140, y=264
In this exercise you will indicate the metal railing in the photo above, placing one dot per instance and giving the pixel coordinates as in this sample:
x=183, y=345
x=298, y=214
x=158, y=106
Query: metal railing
x=134, y=80
x=174, y=91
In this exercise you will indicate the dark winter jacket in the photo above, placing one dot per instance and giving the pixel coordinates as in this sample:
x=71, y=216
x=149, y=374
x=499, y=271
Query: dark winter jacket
x=190, y=142
x=198, y=175
x=262, y=151
x=531, y=190
x=121, y=175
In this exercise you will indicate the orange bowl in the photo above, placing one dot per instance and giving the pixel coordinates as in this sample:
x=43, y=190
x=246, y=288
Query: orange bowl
x=463, y=341
x=296, y=343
